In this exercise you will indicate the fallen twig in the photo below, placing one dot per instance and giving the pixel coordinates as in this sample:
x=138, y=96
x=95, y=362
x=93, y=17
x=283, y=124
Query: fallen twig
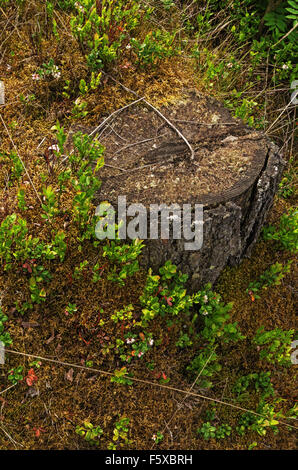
x=192, y=156
x=147, y=382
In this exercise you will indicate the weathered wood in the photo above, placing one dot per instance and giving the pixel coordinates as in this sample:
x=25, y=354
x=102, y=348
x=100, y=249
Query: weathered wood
x=231, y=228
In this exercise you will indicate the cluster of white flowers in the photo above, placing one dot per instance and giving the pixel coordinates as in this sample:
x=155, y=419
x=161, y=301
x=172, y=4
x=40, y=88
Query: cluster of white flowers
x=56, y=72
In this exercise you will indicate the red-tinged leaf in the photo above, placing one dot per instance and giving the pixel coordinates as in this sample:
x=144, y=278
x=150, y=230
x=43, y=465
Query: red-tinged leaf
x=142, y=336
x=164, y=376
x=31, y=378
x=252, y=296
x=29, y=381
x=38, y=431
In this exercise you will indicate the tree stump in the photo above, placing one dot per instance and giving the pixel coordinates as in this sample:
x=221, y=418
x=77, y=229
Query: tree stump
x=234, y=172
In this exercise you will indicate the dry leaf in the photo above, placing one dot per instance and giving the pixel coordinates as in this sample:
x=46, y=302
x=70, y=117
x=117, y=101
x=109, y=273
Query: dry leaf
x=69, y=375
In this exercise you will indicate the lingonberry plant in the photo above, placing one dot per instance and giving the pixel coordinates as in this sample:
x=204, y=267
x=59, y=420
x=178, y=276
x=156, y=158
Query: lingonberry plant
x=16, y=375
x=18, y=246
x=121, y=377
x=123, y=258
x=103, y=32
x=274, y=345
x=261, y=381
x=286, y=235
x=90, y=433
x=157, y=45
x=120, y=434
x=4, y=335
x=271, y=277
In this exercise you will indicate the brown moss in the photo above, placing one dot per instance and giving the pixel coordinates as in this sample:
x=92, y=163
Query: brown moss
x=60, y=404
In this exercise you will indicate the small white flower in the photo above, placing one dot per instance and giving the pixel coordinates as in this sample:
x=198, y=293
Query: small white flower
x=57, y=75
x=151, y=342
x=205, y=298
x=130, y=340
x=35, y=76
x=128, y=46
x=205, y=312
x=285, y=67
x=8, y=67
x=54, y=147
x=140, y=354
x=154, y=437
x=230, y=65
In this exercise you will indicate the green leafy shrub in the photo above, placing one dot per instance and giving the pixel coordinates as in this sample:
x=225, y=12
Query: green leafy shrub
x=16, y=375
x=103, y=33
x=287, y=233
x=207, y=431
x=124, y=257
x=215, y=315
x=157, y=45
x=48, y=70
x=262, y=382
x=120, y=434
x=16, y=245
x=120, y=377
x=275, y=345
x=206, y=364
x=260, y=424
x=271, y=277
x=184, y=341
x=286, y=186
x=4, y=335
x=223, y=431
x=90, y=433
x=158, y=437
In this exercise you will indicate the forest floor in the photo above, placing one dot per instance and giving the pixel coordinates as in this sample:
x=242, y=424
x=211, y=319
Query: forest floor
x=71, y=354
